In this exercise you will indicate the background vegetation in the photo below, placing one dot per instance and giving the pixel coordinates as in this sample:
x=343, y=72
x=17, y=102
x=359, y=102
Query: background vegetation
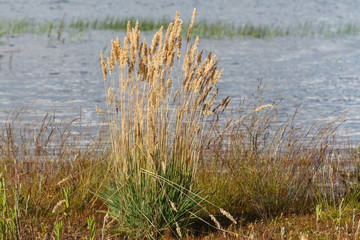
x=56, y=29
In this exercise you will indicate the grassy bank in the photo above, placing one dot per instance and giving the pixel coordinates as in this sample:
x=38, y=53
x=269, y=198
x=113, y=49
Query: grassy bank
x=51, y=189
x=213, y=30
x=172, y=161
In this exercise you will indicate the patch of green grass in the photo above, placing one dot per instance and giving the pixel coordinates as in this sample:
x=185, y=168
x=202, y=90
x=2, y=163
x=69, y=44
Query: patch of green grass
x=17, y=26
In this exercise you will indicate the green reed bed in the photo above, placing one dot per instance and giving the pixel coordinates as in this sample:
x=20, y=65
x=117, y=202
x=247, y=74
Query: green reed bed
x=116, y=24
x=165, y=167
x=204, y=29
x=21, y=26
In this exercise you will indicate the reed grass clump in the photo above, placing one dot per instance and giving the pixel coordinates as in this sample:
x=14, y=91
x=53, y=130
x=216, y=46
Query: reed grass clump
x=155, y=107
x=159, y=97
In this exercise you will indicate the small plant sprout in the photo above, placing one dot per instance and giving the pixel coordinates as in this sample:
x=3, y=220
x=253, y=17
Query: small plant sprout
x=58, y=230
x=67, y=197
x=318, y=210
x=92, y=227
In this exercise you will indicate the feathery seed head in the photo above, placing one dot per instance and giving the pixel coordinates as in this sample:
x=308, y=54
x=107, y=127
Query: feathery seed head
x=228, y=215
x=262, y=107
x=58, y=205
x=193, y=50
x=217, y=76
x=109, y=96
x=198, y=58
x=191, y=25
x=185, y=66
x=173, y=206
x=217, y=224
x=103, y=66
x=175, y=30
x=113, y=50
x=168, y=31
x=178, y=46
x=125, y=54
x=168, y=84
x=178, y=231
x=118, y=48
x=98, y=110
x=109, y=65
x=155, y=42
x=128, y=30
x=163, y=165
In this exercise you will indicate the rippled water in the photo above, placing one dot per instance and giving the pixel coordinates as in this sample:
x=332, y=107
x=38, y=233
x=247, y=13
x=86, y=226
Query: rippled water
x=322, y=74
x=278, y=12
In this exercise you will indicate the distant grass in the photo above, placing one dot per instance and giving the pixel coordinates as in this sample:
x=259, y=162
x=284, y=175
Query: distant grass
x=15, y=26
x=204, y=29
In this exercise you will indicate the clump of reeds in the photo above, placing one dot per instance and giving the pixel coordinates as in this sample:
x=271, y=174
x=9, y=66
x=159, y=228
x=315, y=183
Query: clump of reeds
x=159, y=98
x=157, y=109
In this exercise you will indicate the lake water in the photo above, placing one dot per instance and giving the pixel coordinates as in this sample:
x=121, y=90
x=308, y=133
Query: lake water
x=322, y=74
